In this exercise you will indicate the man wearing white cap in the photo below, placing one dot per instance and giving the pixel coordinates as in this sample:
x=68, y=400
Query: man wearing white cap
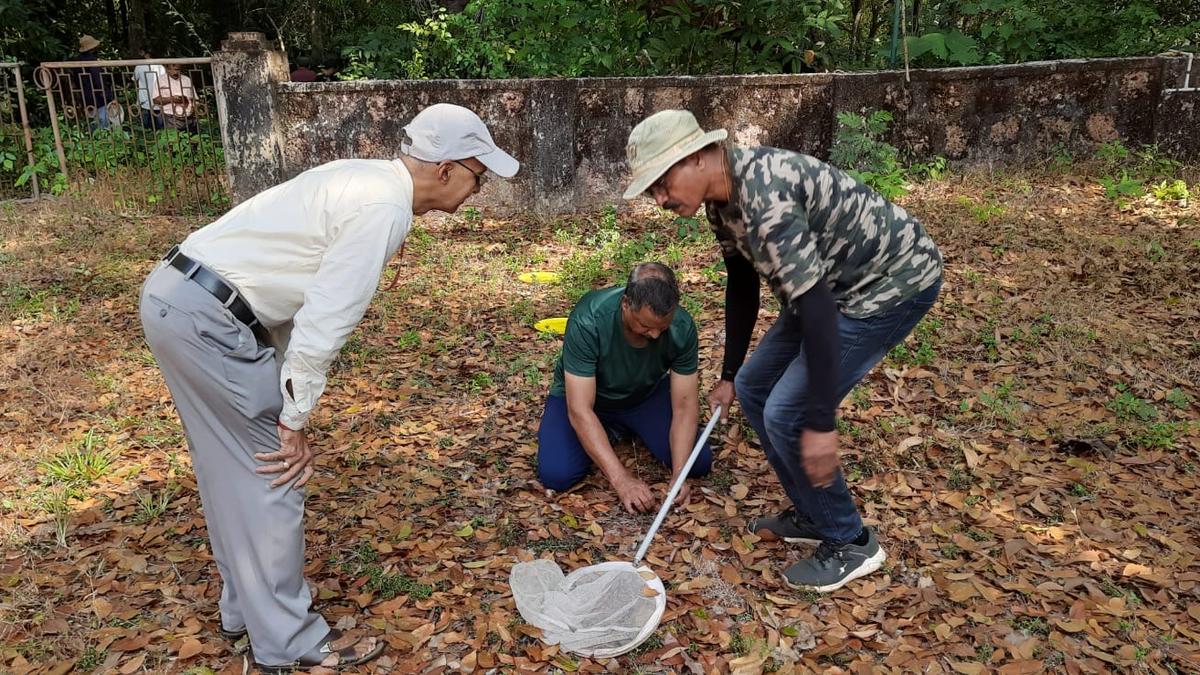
x=853, y=274
x=244, y=318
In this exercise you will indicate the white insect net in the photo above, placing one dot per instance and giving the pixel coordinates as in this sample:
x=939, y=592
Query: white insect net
x=599, y=611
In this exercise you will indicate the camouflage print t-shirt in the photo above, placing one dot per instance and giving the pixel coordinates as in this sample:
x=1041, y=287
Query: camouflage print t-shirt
x=800, y=221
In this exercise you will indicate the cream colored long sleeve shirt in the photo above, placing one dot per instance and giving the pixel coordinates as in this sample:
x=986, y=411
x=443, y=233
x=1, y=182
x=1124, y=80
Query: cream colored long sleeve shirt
x=307, y=256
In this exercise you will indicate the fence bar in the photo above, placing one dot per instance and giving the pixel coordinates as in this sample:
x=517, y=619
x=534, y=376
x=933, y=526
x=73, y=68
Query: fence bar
x=147, y=155
x=25, y=128
x=44, y=78
x=205, y=60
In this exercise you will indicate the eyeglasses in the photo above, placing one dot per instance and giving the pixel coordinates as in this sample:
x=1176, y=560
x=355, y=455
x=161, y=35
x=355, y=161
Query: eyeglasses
x=478, y=176
x=660, y=184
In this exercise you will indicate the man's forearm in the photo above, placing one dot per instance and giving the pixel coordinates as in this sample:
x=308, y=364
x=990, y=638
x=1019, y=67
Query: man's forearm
x=682, y=437
x=595, y=443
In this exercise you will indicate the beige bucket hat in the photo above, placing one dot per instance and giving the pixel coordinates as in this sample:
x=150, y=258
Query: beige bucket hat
x=87, y=43
x=661, y=140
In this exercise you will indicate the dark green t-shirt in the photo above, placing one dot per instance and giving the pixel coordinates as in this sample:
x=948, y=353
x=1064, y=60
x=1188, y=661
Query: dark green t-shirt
x=595, y=346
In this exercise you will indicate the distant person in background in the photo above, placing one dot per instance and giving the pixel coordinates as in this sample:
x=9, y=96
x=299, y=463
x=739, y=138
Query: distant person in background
x=146, y=78
x=90, y=90
x=303, y=73
x=177, y=98
x=329, y=70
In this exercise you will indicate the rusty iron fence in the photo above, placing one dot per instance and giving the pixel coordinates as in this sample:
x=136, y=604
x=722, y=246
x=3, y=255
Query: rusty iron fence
x=17, y=178
x=144, y=134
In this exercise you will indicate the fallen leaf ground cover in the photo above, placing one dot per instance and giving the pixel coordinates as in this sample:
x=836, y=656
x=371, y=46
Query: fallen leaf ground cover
x=1030, y=455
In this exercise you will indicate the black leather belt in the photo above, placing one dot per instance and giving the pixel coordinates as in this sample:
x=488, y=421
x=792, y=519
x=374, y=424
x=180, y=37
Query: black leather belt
x=216, y=286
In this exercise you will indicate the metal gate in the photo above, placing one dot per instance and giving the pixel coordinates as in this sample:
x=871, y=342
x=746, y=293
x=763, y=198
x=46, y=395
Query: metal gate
x=17, y=180
x=143, y=134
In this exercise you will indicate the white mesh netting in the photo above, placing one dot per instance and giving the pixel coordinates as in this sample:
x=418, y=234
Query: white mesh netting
x=599, y=611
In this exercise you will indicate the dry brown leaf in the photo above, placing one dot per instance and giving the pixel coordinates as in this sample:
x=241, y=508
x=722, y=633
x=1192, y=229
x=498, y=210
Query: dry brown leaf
x=190, y=647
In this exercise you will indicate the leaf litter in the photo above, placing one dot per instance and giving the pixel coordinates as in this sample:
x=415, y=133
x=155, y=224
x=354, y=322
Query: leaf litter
x=1030, y=458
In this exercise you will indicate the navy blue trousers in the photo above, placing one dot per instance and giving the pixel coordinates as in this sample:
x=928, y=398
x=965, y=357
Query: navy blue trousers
x=562, y=461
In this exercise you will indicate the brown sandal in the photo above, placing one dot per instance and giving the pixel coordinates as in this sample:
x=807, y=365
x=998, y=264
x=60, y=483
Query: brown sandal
x=334, y=644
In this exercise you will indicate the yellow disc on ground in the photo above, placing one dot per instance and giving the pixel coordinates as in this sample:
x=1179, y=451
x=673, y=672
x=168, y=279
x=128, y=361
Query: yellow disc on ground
x=555, y=326
x=539, y=277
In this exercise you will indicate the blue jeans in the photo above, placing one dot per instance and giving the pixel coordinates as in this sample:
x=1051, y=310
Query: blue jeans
x=100, y=116
x=562, y=461
x=773, y=390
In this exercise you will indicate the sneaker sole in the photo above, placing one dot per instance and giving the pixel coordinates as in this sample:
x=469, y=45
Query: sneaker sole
x=768, y=535
x=869, y=565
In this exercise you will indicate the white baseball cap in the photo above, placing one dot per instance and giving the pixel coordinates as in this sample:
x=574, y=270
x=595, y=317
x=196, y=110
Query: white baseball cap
x=444, y=132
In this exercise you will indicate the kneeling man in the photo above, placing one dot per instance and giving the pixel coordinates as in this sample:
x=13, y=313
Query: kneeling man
x=628, y=366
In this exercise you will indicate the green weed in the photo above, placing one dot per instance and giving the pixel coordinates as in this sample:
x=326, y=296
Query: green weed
x=1158, y=435
x=921, y=352
x=1122, y=188
x=1178, y=398
x=408, y=340
x=1171, y=191
x=1031, y=625
x=90, y=659
x=81, y=465
x=1127, y=406
x=151, y=505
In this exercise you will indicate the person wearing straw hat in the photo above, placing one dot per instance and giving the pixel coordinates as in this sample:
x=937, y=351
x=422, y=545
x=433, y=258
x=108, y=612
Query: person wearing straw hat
x=853, y=274
x=244, y=318
x=92, y=92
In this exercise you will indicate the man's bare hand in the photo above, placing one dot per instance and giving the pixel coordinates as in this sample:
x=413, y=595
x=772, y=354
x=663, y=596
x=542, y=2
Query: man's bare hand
x=292, y=460
x=634, y=494
x=819, y=454
x=721, y=395
x=685, y=491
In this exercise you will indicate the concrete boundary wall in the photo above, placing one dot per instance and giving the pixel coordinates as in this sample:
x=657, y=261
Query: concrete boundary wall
x=570, y=133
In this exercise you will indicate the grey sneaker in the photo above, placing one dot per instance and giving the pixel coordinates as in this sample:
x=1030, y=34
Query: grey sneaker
x=834, y=565
x=789, y=526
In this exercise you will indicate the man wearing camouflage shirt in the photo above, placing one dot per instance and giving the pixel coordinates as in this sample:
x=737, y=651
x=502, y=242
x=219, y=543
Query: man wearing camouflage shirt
x=853, y=274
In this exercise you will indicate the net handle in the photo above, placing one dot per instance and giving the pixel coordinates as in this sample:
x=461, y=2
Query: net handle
x=687, y=468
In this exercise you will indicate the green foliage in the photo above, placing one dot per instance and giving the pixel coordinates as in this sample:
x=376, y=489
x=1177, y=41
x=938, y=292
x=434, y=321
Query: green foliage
x=578, y=38
x=1010, y=31
x=950, y=47
x=604, y=259
x=168, y=155
x=408, y=340
x=480, y=381
x=858, y=149
x=1179, y=398
x=1171, y=191
x=919, y=350
x=1122, y=188
x=982, y=212
x=90, y=659
x=1158, y=435
x=1000, y=403
x=565, y=38
x=1128, y=407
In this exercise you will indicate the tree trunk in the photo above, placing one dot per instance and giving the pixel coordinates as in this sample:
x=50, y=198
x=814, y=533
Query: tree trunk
x=114, y=28
x=137, y=25
x=872, y=28
x=855, y=16
x=125, y=23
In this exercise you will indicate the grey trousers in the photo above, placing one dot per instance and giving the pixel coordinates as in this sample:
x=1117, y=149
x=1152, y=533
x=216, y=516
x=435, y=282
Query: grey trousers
x=226, y=389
